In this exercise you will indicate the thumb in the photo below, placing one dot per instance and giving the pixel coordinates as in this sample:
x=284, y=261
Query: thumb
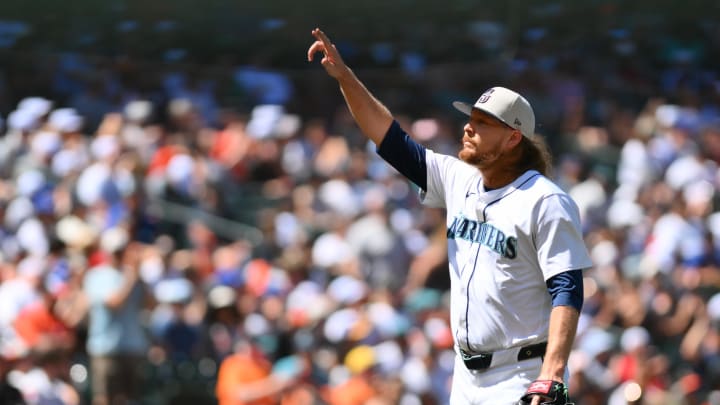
x=328, y=63
x=328, y=59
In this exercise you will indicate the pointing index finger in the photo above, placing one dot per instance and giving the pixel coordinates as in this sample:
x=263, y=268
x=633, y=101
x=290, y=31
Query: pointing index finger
x=319, y=34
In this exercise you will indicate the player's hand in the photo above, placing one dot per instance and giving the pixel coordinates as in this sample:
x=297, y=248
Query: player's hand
x=331, y=61
x=545, y=392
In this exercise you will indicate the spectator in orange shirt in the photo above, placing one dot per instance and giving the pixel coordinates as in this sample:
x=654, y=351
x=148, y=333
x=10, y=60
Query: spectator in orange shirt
x=246, y=378
x=37, y=324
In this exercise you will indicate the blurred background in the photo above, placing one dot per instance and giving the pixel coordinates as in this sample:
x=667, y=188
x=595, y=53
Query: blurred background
x=188, y=213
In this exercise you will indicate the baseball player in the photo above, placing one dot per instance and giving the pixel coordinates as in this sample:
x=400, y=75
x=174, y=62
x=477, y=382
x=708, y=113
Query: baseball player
x=515, y=248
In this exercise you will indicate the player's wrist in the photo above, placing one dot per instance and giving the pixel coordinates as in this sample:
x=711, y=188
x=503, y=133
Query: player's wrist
x=345, y=75
x=552, y=369
x=559, y=377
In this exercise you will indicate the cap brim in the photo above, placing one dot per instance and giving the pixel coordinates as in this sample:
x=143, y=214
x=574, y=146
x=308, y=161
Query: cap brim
x=463, y=107
x=467, y=109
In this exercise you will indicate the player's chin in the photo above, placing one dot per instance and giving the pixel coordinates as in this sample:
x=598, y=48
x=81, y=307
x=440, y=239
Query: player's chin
x=467, y=155
x=473, y=158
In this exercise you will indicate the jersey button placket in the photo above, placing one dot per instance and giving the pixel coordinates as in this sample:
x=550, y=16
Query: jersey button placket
x=465, y=280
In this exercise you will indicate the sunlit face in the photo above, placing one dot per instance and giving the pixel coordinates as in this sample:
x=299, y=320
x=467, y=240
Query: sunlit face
x=485, y=139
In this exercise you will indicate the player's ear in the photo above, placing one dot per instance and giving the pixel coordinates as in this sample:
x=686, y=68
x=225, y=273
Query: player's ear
x=515, y=138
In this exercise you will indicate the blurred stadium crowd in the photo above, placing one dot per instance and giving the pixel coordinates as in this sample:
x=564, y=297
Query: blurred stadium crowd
x=176, y=233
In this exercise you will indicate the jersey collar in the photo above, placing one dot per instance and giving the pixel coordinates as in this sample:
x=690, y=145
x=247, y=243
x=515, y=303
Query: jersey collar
x=492, y=195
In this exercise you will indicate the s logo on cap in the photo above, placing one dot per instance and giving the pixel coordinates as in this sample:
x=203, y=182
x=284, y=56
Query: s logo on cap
x=485, y=96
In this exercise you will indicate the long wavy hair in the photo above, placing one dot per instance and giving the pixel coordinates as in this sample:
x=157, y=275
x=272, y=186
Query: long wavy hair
x=535, y=155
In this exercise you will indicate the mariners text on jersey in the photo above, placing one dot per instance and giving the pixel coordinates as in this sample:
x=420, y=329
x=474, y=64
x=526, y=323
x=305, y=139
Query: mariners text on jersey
x=483, y=233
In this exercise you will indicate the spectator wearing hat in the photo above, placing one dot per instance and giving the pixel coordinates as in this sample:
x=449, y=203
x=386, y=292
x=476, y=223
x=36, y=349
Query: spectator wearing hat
x=175, y=327
x=355, y=387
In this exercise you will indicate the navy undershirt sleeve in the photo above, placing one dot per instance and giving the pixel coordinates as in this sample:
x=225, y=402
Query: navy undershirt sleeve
x=567, y=289
x=404, y=154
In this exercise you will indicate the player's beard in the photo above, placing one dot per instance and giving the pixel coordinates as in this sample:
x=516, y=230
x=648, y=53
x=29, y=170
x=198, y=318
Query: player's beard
x=477, y=159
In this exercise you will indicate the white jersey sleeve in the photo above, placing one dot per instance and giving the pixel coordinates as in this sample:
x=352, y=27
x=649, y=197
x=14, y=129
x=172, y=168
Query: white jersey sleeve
x=558, y=239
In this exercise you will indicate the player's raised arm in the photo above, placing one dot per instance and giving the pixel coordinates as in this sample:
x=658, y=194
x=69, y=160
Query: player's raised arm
x=370, y=114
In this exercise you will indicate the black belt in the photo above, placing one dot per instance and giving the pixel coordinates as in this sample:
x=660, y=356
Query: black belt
x=481, y=361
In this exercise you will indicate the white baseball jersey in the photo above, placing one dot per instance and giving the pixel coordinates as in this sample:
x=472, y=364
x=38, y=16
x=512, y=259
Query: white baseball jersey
x=503, y=245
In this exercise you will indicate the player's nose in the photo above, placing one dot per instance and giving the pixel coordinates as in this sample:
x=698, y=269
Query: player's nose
x=468, y=130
